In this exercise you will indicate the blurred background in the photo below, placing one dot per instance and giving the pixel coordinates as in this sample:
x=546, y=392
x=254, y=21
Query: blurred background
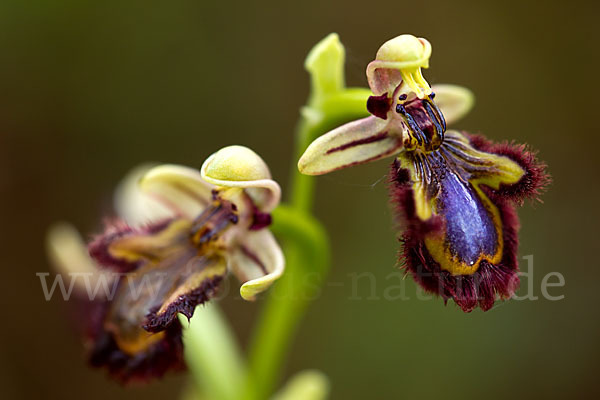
x=90, y=89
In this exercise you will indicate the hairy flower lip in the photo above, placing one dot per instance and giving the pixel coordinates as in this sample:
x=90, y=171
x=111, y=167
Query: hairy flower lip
x=494, y=278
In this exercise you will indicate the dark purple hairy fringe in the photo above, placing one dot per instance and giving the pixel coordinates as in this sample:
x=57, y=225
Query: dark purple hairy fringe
x=160, y=357
x=536, y=179
x=185, y=304
x=490, y=281
x=116, y=229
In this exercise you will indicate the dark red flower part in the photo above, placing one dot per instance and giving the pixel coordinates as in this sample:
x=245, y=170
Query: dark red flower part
x=161, y=355
x=379, y=105
x=536, y=179
x=260, y=220
x=185, y=304
x=456, y=206
x=114, y=230
x=98, y=247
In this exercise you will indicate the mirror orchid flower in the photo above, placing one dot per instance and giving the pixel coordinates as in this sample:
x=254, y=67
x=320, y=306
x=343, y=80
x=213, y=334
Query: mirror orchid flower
x=180, y=233
x=454, y=193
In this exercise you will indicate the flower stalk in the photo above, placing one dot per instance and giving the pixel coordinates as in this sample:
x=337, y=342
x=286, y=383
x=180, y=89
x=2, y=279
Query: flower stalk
x=306, y=245
x=307, y=256
x=208, y=338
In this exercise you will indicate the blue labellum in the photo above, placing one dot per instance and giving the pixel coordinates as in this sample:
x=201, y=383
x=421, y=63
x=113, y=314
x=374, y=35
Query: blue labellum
x=470, y=230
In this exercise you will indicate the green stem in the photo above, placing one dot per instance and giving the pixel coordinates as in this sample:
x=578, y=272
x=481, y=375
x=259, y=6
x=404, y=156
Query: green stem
x=212, y=354
x=307, y=259
x=306, y=248
x=306, y=244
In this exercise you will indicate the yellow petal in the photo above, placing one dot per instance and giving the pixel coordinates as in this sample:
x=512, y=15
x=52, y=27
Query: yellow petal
x=240, y=167
x=400, y=59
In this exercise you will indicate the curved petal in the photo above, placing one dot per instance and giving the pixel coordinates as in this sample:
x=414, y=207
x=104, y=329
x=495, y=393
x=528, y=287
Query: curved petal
x=400, y=59
x=354, y=143
x=133, y=205
x=69, y=255
x=240, y=167
x=179, y=188
x=382, y=80
x=454, y=101
x=257, y=261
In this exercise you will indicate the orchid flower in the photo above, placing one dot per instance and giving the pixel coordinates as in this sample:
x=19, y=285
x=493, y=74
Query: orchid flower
x=454, y=193
x=181, y=232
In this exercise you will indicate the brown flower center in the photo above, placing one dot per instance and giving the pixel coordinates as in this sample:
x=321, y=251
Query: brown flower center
x=425, y=123
x=209, y=226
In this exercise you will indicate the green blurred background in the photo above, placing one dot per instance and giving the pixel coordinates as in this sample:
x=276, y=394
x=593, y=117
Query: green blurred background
x=90, y=89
